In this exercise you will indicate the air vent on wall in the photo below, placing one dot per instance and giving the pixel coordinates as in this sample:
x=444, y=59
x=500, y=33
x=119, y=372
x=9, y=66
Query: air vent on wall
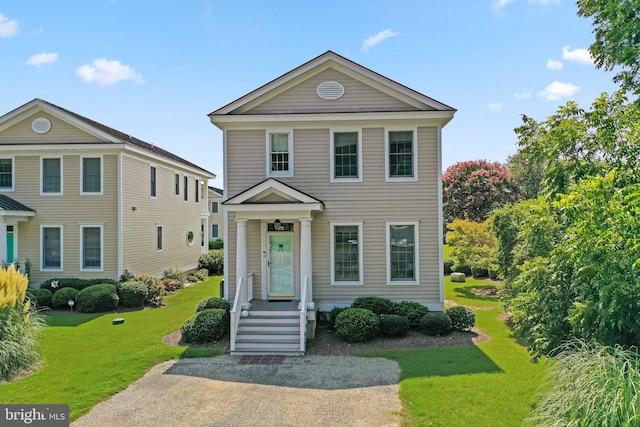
x=41, y=125
x=330, y=90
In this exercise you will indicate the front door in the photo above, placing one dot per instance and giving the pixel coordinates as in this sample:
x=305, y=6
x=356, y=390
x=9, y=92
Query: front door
x=280, y=265
x=10, y=254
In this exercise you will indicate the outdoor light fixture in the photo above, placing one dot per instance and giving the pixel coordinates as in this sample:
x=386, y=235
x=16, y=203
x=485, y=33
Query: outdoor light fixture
x=71, y=304
x=277, y=222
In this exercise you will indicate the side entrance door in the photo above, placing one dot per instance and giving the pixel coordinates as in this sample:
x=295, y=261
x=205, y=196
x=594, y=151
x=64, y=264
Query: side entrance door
x=280, y=266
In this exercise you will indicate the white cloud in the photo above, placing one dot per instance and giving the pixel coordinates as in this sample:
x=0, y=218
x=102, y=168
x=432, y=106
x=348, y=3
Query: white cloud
x=499, y=4
x=374, y=40
x=495, y=106
x=42, y=58
x=8, y=27
x=523, y=95
x=544, y=2
x=579, y=55
x=554, y=65
x=106, y=72
x=558, y=90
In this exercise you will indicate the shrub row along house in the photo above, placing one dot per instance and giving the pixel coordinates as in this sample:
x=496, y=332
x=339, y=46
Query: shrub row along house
x=332, y=191
x=80, y=199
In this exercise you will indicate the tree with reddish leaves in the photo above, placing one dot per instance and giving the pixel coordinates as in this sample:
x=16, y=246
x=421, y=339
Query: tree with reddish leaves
x=472, y=189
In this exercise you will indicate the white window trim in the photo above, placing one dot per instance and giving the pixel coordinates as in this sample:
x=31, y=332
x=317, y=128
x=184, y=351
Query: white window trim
x=185, y=190
x=91, y=193
x=176, y=174
x=217, y=206
x=276, y=174
x=13, y=174
x=197, y=197
x=218, y=236
x=101, y=227
x=360, y=281
x=42, y=227
x=159, y=226
x=42, y=159
x=151, y=165
x=332, y=159
x=386, y=154
x=416, y=237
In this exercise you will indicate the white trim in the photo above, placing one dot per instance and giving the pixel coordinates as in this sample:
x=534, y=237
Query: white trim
x=91, y=193
x=267, y=187
x=13, y=174
x=332, y=226
x=332, y=155
x=414, y=131
x=193, y=241
x=440, y=217
x=294, y=238
x=42, y=227
x=42, y=159
x=276, y=174
x=82, y=227
x=416, y=238
x=161, y=227
x=120, y=215
x=185, y=188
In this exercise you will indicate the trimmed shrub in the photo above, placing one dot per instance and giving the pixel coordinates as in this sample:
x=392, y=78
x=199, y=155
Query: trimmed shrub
x=435, y=324
x=333, y=314
x=479, y=271
x=176, y=274
x=218, y=244
x=192, y=278
x=413, y=311
x=155, y=288
x=55, y=285
x=202, y=274
x=448, y=266
x=97, y=298
x=376, y=304
x=61, y=298
x=357, y=325
x=214, y=302
x=171, y=285
x=133, y=294
x=41, y=297
x=213, y=261
x=392, y=325
x=206, y=326
x=462, y=268
x=462, y=318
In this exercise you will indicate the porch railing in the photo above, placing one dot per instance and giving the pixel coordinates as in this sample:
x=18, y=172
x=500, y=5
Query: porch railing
x=240, y=302
x=302, y=307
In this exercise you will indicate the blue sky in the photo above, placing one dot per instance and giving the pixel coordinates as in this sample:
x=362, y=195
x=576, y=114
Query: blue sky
x=155, y=69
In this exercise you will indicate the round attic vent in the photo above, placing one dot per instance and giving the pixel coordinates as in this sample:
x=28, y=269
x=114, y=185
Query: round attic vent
x=41, y=125
x=330, y=90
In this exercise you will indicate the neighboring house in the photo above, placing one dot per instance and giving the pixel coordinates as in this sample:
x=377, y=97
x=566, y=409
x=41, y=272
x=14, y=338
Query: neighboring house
x=79, y=199
x=216, y=218
x=332, y=179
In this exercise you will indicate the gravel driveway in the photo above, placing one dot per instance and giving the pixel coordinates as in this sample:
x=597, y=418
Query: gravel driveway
x=309, y=390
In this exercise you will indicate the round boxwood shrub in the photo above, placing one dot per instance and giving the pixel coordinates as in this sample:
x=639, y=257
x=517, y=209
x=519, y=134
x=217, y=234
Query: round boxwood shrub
x=205, y=326
x=61, y=298
x=213, y=261
x=333, y=314
x=214, y=302
x=435, y=324
x=133, y=294
x=413, y=311
x=480, y=271
x=41, y=297
x=376, y=304
x=462, y=318
x=97, y=298
x=357, y=325
x=392, y=325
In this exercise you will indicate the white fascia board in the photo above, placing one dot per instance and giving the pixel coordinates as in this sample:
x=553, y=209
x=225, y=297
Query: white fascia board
x=74, y=147
x=161, y=159
x=261, y=209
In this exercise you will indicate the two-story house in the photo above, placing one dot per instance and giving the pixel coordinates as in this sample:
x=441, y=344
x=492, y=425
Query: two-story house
x=216, y=217
x=80, y=199
x=332, y=191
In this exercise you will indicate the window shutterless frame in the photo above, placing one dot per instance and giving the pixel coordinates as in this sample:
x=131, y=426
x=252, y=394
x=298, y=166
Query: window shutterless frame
x=401, y=154
x=403, y=253
x=7, y=173
x=91, y=173
x=51, y=247
x=51, y=176
x=279, y=153
x=346, y=253
x=346, y=155
x=91, y=247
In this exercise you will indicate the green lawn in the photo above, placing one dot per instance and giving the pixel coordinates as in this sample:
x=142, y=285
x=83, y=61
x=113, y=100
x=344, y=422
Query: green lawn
x=491, y=384
x=87, y=359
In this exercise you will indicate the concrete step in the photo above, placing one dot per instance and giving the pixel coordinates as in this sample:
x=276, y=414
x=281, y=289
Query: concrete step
x=279, y=314
x=271, y=338
x=264, y=348
x=268, y=327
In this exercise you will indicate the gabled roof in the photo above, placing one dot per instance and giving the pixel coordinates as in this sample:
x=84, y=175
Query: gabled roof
x=218, y=191
x=261, y=193
x=98, y=129
x=8, y=204
x=320, y=63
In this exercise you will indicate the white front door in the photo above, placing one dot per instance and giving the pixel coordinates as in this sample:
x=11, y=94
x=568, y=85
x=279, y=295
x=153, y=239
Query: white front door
x=280, y=265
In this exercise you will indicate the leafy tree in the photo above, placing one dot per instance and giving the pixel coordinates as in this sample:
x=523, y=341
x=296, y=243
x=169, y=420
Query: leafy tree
x=472, y=242
x=617, y=46
x=472, y=189
x=527, y=174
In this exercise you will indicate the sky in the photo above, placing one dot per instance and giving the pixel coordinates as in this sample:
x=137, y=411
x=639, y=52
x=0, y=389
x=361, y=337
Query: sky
x=155, y=69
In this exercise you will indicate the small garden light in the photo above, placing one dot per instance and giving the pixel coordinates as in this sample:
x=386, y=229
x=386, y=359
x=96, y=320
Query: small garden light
x=71, y=304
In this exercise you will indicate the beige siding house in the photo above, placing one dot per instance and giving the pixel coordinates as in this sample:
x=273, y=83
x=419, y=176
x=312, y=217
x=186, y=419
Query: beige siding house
x=79, y=199
x=332, y=191
x=216, y=216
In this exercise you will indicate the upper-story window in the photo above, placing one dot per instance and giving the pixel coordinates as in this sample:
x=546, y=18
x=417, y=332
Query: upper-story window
x=177, y=184
x=6, y=174
x=401, y=162
x=346, y=158
x=186, y=188
x=153, y=182
x=91, y=175
x=214, y=207
x=51, y=176
x=197, y=191
x=279, y=154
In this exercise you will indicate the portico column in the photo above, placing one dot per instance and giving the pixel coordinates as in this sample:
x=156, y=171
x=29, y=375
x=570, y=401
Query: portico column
x=242, y=267
x=3, y=243
x=305, y=256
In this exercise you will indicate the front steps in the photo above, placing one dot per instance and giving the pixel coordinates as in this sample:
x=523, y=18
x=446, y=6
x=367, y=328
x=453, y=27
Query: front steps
x=269, y=332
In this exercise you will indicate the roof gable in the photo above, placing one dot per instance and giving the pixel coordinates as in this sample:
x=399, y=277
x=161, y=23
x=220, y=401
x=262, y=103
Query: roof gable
x=271, y=191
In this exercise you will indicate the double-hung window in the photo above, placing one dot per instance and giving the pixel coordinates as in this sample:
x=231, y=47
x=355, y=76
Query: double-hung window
x=279, y=154
x=346, y=253
x=153, y=189
x=215, y=234
x=346, y=158
x=401, y=162
x=51, y=181
x=197, y=191
x=177, y=184
x=158, y=238
x=186, y=188
x=51, y=246
x=214, y=207
x=91, y=247
x=91, y=175
x=402, y=252
x=6, y=175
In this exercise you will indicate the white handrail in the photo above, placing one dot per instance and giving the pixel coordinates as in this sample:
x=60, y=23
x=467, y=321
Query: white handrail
x=235, y=313
x=303, y=314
